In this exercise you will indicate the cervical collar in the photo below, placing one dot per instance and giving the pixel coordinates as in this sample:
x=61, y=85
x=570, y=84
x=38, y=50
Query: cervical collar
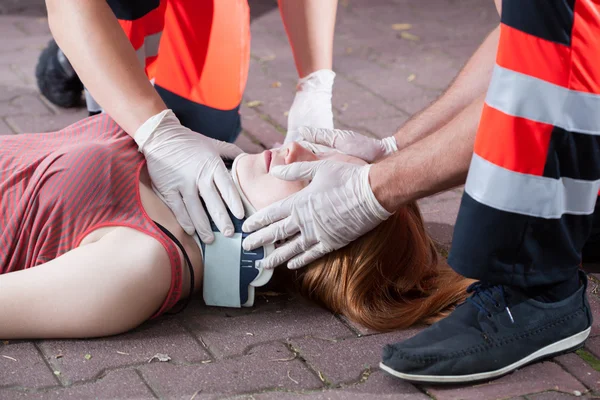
x=230, y=272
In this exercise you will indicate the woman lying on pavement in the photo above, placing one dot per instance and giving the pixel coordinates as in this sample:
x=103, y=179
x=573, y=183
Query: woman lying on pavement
x=88, y=249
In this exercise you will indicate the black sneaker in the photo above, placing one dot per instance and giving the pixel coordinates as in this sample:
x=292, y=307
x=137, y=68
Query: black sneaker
x=57, y=79
x=494, y=332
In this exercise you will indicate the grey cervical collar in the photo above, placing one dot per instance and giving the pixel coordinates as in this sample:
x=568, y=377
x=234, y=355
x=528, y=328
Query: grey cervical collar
x=230, y=273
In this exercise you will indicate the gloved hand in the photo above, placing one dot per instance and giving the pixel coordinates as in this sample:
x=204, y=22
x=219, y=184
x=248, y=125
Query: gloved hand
x=185, y=166
x=337, y=207
x=351, y=143
x=312, y=104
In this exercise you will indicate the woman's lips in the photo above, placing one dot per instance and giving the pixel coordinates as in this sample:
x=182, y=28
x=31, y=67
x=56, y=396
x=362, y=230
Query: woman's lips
x=268, y=157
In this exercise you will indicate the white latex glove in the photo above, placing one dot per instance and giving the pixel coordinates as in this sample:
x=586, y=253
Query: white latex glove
x=185, y=166
x=312, y=104
x=337, y=207
x=351, y=143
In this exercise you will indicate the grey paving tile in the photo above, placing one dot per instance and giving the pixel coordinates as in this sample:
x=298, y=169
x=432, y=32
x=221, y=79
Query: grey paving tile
x=87, y=359
x=24, y=105
x=344, y=361
x=45, y=123
x=258, y=370
x=227, y=336
x=22, y=365
x=125, y=384
x=254, y=123
x=532, y=379
x=580, y=369
x=5, y=129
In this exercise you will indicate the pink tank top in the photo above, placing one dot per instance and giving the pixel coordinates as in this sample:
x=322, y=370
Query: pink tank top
x=57, y=187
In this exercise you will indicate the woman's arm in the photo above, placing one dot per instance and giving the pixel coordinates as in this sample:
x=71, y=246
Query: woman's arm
x=91, y=38
x=98, y=289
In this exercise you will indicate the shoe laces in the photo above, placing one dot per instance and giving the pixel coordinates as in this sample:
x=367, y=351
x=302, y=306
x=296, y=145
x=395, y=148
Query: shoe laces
x=483, y=295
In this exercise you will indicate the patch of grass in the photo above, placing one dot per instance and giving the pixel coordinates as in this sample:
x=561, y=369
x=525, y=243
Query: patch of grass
x=589, y=358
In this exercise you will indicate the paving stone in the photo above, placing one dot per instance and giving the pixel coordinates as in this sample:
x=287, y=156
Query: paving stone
x=5, y=129
x=258, y=370
x=355, y=103
x=34, y=26
x=22, y=365
x=532, y=379
x=254, y=123
x=346, y=360
x=440, y=212
x=9, y=29
x=380, y=128
x=228, y=336
x=247, y=145
x=551, y=395
x=8, y=93
x=275, y=102
x=125, y=384
x=378, y=386
x=593, y=346
x=580, y=369
x=594, y=301
x=11, y=78
x=45, y=123
x=24, y=105
x=164, y=336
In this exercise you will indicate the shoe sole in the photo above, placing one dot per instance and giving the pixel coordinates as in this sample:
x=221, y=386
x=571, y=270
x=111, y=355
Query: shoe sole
x=562, y=346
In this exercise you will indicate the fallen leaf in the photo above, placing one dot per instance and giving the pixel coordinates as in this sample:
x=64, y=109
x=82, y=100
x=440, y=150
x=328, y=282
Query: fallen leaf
x=254, y=103
x=249, y=334
x=401, y=27
x=10, y=358
x=57, y=373
x=276, y=84
x=409, y=36
x=206, y=362
x=88, y=357
x=286, y=113
x=292, y=379
x=5, y=342
x=160, y=357
x=58, y=356
x=123, y=353
x=411, y=77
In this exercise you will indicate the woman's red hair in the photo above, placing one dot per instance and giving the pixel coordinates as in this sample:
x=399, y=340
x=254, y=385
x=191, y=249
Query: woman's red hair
x=391, y=278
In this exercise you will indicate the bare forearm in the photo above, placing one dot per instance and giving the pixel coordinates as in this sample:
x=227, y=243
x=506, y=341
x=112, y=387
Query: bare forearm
x=432, y=165
x=310, y=26
x=90, y=36
x=471, y=83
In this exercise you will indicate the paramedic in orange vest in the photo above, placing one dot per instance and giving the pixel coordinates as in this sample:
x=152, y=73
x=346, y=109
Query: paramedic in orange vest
x=523, y=118
x=196, y=54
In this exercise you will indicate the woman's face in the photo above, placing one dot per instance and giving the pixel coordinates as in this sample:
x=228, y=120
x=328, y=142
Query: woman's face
x=263, y=189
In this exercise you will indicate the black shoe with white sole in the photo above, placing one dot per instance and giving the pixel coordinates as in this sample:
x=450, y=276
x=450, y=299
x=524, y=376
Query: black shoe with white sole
x=496, y=331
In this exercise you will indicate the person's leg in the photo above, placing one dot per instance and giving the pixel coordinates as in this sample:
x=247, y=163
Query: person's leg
x=202, y=66
x=528, y=204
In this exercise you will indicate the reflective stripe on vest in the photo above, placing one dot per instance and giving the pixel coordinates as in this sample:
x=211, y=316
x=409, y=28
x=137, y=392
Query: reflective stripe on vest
x=532, y=195
x=527, y=97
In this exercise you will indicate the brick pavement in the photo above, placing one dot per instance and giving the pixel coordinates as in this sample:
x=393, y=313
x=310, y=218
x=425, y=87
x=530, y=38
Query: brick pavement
x=284, y=348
